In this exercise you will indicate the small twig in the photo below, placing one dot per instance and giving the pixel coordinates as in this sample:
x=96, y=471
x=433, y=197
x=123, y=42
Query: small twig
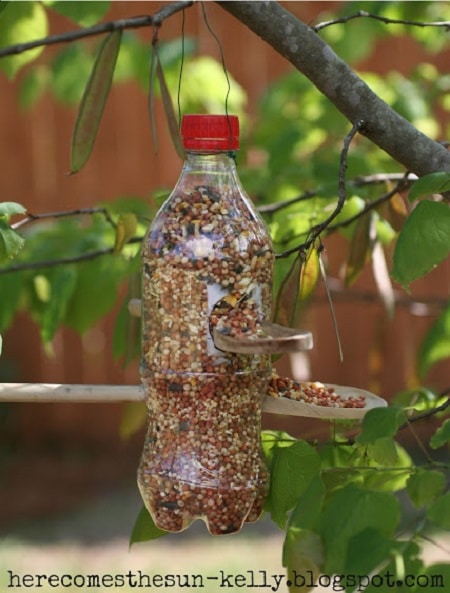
x=62, y=214
x=371, y=468
x=375, y=179
x=408, y=178
x=429, y=413
x=319, y=228
x=90, y=255
x=368, y=207
x=383, y=19
x=121, y=24
x=275, y=207
x=434, y=543
x=419, y=443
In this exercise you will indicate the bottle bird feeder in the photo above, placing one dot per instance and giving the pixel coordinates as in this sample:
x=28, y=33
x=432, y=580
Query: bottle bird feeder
x=207, y=340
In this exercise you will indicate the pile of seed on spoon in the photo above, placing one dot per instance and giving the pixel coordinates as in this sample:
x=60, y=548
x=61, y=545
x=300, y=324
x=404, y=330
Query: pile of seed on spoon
x=311, y=392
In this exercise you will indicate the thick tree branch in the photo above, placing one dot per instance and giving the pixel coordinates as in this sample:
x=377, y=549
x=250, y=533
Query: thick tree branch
x=314, y=58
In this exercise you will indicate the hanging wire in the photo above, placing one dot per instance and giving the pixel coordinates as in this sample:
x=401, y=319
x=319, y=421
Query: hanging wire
x=222, y=58
x=181, y=67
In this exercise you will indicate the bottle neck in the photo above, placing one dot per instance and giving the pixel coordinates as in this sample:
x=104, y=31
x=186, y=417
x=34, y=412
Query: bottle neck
x=217, y=161
x=215, y=170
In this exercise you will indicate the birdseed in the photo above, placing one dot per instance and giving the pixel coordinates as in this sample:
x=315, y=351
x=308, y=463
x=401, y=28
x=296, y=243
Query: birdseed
x=206, y=250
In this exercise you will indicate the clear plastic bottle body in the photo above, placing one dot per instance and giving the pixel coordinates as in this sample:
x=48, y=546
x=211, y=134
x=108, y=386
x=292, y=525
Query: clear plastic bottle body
x=206, y=246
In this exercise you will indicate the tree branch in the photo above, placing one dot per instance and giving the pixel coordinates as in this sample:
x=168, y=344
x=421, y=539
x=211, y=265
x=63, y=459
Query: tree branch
x=383, y=19
x=370, y=206
x=429, y=413
x=131, y=23
x=37, y=265
x=361, y=181
x=62, y=214
x=314, y=58
x=316, y=230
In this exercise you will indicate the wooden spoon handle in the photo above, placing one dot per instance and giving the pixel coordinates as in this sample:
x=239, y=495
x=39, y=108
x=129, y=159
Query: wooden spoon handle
x=274, y=339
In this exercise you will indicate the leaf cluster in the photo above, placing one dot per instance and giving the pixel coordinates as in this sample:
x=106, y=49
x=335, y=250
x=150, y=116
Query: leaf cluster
x=339, y=502
x=98, y=259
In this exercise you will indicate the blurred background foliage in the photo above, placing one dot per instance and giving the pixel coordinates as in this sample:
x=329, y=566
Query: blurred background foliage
x=290, y=145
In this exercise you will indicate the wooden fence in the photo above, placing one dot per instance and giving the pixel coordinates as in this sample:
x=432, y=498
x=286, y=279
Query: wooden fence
x=34, y=157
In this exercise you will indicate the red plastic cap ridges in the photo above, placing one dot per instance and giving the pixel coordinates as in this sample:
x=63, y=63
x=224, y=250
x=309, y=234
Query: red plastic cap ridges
x=210, y=132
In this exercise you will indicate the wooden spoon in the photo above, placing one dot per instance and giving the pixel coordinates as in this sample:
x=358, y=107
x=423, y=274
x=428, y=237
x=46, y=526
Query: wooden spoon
x=274, y=339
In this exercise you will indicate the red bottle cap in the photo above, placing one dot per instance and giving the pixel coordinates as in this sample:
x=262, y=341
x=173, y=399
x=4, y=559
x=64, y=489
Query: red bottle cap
x=210, y=132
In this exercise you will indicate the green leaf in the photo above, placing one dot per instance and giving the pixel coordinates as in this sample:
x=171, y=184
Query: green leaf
x=323, y=274
x=419, y=399
x=439, y=512
x=133, y=419
x=394, y=467
x=151, y=99
x=441, y=436
x=379, y=423
x=359, y=249
x=293, y=464
x=21, y=22
x=125, y=230
x=94, y=100
x=439, y=576
x=10, y=242
x=338, y=458
x=95, y=292
x=383, y=451
x=82, y=13
x=144, y=528
x=168, y=109
x=436, y=345
x=367, y=550
x=3, y=5
x=62, y=285
x=433, y=183
x=352, y=206
x=8, y=209
x=309, y=274
x=382, y=278
x=424, y=486
x=423, y=242
x=308, y=507
x=271, y=439
x=287, y=296
x=12, y=287
x=302, y=554
x=351, y=511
